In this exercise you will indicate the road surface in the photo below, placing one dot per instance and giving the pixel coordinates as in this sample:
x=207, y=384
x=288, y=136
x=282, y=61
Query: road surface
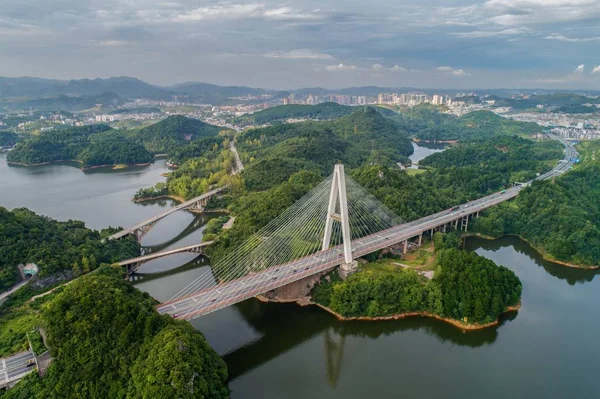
x=14, y=367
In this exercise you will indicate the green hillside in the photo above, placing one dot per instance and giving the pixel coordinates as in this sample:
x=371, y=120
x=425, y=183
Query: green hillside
x=90, y=145
x=280, y=113
x=171, y=133
x=361, y=137
x=427, y=123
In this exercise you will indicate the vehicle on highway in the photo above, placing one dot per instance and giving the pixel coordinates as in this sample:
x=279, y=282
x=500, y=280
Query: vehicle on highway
x=30, y=363
x=502, y=192
x=454, y=208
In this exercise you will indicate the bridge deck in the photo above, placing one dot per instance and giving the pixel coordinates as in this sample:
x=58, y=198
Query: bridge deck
x=166, y=213
x=145, y=258
x=15, y=367
x=226, y=294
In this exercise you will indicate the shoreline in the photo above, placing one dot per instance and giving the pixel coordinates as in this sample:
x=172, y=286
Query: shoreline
x=415, y=140
x=456, y=323
x=82, y=168
x=399, y=316
x=166, y=196
x=539, y=251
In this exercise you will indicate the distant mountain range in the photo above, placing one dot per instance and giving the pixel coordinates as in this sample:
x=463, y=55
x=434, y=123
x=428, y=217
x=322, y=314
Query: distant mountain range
x=125, y=88
x=128, y=87
x=76, y=95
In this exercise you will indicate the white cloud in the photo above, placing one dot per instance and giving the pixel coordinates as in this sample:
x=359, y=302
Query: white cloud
x=341, y=67
x=596, y=69
x=491, y=33
x=516, y=13
x=575, y=76
x=242, y=11
x=381, y=68
x=299, y=54
x=112, y=43
x=447, y=70
x=573, y=39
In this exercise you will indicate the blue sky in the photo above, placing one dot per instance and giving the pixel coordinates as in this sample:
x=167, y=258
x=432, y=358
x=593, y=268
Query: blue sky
x=305, y=43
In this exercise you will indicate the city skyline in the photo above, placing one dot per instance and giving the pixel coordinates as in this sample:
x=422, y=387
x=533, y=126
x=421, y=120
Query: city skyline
x=457, y=44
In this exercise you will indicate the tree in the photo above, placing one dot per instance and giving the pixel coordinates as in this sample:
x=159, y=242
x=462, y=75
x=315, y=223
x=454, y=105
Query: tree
x=75, y=268
x=85, y=265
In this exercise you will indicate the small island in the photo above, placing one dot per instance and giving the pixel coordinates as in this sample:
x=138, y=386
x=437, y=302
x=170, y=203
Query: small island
x=90, y=146
x=465, y=290
x=97, y=146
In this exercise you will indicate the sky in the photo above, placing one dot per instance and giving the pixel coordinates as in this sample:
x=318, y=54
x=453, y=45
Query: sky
x=308, y=43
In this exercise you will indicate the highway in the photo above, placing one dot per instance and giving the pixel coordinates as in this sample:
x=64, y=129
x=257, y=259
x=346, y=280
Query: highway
x=15, y=367
x=166, y=213
x=226, y=294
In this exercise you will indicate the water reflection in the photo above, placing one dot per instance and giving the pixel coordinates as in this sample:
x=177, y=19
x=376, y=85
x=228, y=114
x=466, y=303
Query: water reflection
x=197, y=224
x=286, y=326
x=569, y=274
x=197, y=263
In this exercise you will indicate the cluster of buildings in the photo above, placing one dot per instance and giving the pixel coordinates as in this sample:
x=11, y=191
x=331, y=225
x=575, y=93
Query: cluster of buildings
x=576, y=133
x=410, y=99
x=343, y=99
x=106, y=118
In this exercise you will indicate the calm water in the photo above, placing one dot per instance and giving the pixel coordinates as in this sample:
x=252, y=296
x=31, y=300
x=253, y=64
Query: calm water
x=420, y=151
x=548, y=349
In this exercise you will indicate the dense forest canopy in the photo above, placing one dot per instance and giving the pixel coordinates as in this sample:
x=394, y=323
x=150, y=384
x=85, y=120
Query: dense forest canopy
x=364, y=136
x=100, y=145
x=90, y=145
x=461, y=173
x=54, y=246
x=172, y=133
x=425, y=122
x=8, y=138
x=561, y=217
x=465, y=285
x=280, y=113
x=108, y=341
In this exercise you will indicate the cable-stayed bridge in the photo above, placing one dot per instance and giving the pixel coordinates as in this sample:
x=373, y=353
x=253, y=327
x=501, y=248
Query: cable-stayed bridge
x=336, y=222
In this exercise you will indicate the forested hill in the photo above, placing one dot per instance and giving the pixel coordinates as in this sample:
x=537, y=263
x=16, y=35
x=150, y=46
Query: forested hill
x=90, y=145
x=171, y=133
x=108, y=341
x=53, y=246
x=427, y=123
x=560, y=217
x=280, y=113
x=273, y=153
x=7, y=138
x=100, y=145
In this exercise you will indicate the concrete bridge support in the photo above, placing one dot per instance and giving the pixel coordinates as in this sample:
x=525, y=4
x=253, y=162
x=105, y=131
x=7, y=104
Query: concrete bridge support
x=199, y=206
x=465, y=223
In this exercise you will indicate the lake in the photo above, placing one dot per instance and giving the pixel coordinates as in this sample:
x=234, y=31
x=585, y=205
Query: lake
x=546, y=350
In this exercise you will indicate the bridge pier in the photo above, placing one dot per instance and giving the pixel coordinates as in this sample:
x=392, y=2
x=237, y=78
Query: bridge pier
x=420, y=239
x=465, y=223
x=346, y=269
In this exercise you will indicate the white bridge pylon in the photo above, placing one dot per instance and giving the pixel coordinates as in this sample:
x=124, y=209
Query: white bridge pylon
x=338, y=211
x=318, y=229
